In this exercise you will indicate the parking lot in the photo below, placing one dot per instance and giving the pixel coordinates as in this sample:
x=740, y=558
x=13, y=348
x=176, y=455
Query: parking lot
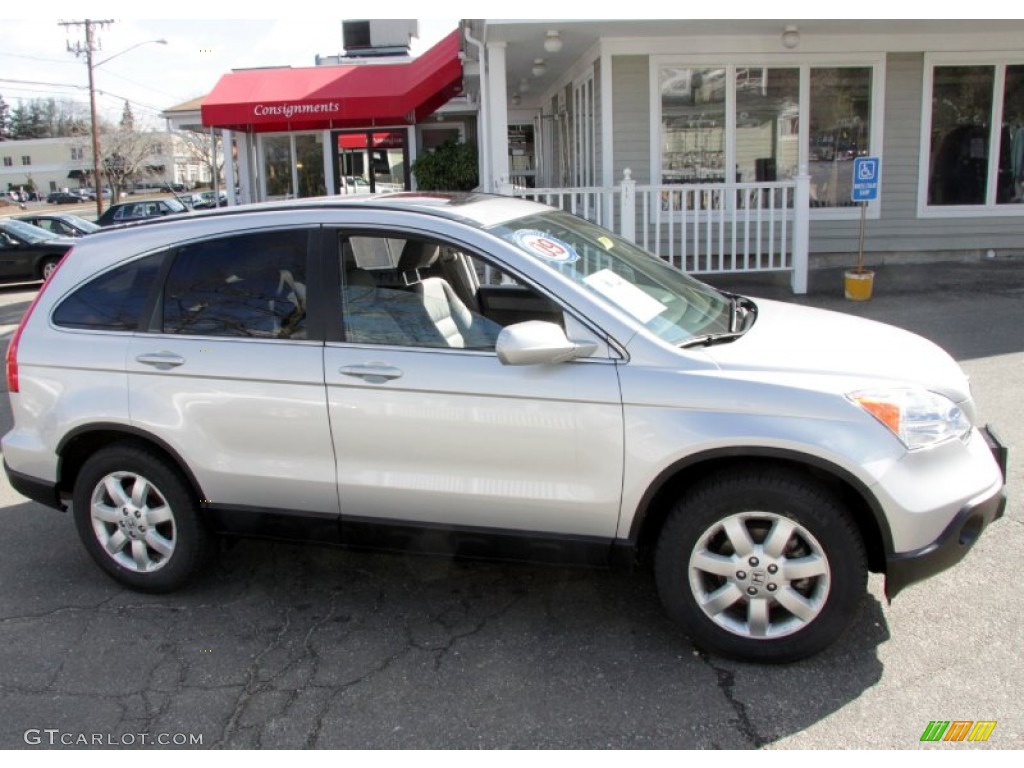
x=287, y=646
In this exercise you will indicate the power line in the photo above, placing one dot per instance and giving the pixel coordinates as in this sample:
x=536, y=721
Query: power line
x=99, y=91
x=36, y=58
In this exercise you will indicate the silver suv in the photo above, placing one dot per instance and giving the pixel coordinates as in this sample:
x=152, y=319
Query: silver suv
x=478, y=376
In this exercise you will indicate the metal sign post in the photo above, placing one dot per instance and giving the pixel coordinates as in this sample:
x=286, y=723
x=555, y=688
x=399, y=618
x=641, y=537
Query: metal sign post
x=866, y=177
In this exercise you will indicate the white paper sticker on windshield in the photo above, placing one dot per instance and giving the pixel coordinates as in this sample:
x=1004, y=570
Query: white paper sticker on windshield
x=544, y=246
x=625, y=295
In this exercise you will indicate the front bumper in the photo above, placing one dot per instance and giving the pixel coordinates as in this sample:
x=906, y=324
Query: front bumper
x=953, y=544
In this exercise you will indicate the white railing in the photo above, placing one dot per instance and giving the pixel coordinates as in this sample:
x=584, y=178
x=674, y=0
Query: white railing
x=702, y=228
x=596, y=204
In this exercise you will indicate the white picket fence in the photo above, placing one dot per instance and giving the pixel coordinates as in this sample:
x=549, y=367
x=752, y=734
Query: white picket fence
x=702, y=228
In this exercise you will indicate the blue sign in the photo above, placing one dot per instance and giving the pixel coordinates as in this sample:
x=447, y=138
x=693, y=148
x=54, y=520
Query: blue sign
x=866, y=178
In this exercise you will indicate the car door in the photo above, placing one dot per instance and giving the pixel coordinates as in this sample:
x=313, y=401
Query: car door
x=231, y=376
x=15, y=256
x=433, y=431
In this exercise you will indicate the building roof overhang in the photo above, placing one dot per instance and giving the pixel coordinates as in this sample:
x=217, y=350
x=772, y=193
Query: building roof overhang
x=317, y=98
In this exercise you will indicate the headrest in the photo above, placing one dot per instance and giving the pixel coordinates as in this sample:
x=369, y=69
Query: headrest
x=417, y=254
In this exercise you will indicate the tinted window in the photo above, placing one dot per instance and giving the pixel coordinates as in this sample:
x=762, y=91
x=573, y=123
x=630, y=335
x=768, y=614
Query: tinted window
x=113, y=301
x=252, y=285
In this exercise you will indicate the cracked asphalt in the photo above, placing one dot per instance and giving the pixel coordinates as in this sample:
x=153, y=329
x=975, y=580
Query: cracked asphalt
x=290, y=646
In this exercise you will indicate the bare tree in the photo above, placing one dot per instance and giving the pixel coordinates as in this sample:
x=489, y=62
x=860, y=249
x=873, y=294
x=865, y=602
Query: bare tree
x=198, y=149
x=127, y=155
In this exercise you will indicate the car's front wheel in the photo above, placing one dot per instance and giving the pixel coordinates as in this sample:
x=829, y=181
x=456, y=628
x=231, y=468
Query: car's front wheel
x=138, y=518
x=763, y=565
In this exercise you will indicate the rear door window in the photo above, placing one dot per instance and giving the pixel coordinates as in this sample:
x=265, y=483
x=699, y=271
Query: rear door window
x=245, y=286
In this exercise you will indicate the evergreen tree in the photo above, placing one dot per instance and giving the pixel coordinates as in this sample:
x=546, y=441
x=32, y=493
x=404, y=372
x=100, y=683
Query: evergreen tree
x=127, y=118
x=46, y=119
x=5, y=120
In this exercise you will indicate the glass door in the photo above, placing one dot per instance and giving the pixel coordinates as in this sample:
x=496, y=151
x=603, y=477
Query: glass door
x=371, y=161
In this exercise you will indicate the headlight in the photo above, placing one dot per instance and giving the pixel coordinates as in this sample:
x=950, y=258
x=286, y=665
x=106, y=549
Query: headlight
x=917, y=417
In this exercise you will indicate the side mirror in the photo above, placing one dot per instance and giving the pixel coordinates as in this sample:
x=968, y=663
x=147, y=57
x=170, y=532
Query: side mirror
x=539, y=343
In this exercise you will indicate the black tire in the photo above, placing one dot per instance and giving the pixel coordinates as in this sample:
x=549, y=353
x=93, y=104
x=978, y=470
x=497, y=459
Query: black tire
x=46, y=265
x=149, y=536
x=791, y=595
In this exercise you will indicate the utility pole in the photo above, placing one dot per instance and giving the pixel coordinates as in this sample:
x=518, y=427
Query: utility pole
x=91, y=46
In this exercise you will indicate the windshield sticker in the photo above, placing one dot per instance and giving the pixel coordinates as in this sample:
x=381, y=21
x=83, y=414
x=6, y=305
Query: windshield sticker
x=625, y=296
x=606, y=242
x=544, y=246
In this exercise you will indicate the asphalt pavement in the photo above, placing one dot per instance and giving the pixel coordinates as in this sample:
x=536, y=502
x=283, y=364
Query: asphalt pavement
x=282, y=645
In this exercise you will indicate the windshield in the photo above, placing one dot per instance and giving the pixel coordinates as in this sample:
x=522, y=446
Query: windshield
x=175, y=205
x=30, y=233
x=83, y=224
x=666, y=301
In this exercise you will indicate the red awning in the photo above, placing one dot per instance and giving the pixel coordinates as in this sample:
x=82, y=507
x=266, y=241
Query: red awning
x=315, y=98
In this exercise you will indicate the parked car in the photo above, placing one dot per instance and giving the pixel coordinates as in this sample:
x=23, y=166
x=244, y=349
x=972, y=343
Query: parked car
x=203, y=200
x=61, y=224
x=90, y=194
x=138, y=210
x=61, y=198
x=476, y=376
x=28, y=252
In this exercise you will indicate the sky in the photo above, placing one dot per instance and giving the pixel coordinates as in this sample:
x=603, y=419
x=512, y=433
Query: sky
x=35, y=63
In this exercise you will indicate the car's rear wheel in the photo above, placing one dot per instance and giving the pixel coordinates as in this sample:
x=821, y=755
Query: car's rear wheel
x=47, y=266
x=139, y=519
x=761, y=565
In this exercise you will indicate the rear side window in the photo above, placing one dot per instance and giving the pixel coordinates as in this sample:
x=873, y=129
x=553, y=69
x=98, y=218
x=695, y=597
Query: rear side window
x=113, y=301
x=251, y=286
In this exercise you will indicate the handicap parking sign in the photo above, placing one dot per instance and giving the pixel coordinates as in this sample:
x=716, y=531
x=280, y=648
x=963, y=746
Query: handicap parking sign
x=866, y=173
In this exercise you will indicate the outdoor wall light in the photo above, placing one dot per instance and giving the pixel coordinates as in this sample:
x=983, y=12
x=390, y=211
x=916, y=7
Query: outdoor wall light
x=552, y=41
x=791, y=37
x=539, y=67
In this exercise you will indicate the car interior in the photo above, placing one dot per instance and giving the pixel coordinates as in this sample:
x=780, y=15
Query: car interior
x=420, y=293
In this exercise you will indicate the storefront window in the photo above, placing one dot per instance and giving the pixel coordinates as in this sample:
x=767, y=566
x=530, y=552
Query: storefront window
x=693, y=125
x=706, y=140
x=1011, y=152
x=767, y=123
x=277, y=159
x=961, y=116
x=309, y=163
x=975, y=135
x=840, y=130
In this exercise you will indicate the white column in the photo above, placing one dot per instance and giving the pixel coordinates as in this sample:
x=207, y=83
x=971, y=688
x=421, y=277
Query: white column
x=607, y=134
x=329, y=151
x=801, y=231
x=497, y=119
x=627, y=207
x=227, y=139
x=246, y=177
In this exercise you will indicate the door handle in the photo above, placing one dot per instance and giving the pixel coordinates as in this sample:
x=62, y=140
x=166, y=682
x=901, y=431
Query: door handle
x=163, y=361
x=375, y=373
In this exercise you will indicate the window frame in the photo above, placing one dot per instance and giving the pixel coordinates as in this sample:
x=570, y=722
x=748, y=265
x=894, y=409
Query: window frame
x=999, y=60
x=804, y=62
